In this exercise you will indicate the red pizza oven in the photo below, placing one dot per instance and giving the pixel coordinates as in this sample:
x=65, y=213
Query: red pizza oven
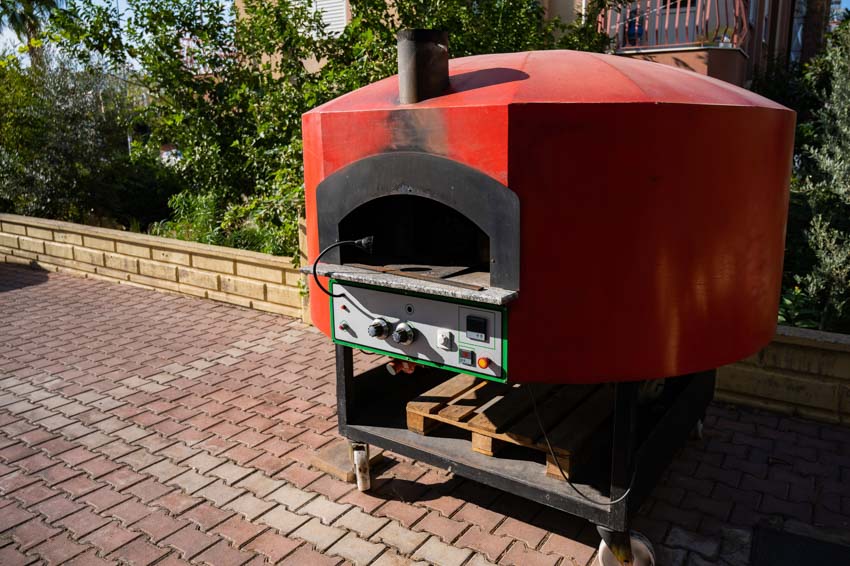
x=609, y=219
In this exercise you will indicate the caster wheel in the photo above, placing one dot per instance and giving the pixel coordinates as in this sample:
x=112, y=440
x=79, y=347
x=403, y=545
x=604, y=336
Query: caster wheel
x=642, y=553
x=696, y=433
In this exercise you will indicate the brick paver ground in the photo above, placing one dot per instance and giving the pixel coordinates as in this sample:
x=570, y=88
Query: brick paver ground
x=145, y=428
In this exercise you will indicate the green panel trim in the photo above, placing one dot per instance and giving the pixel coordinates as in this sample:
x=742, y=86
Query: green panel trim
x=422, y=362
x=505, y=344
x=483, y=306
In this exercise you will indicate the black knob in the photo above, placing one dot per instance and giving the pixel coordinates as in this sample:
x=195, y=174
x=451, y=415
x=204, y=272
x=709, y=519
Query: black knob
x=378, y=328
x=403, y=334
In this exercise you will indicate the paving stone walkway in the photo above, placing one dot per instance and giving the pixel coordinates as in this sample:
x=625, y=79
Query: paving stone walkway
x=139, y=427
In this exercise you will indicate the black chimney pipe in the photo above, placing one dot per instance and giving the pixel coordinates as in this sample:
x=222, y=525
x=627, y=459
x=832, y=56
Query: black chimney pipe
x=423, y=64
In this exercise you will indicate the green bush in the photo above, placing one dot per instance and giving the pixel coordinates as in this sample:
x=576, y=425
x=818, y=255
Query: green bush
x=64, y=150
x=816, y=290
x=825, y=184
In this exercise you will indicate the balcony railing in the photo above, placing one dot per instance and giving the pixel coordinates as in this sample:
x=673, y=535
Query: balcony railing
x=648, y=24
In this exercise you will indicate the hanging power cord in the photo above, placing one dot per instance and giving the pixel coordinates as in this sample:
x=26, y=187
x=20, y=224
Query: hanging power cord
x=558, y=463
x=363, y=244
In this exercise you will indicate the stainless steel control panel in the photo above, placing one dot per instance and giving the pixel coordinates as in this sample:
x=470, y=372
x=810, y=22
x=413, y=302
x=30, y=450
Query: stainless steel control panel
x=465, y=338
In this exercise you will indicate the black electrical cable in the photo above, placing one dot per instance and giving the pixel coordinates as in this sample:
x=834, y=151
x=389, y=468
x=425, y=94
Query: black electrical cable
x=362, y=243
x=558, y=463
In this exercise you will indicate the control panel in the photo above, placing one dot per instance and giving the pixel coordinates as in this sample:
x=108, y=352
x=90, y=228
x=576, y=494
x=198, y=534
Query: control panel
x=429, y=330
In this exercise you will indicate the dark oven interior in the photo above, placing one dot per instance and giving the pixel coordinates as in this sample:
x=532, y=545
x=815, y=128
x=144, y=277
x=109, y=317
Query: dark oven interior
x=418, y=235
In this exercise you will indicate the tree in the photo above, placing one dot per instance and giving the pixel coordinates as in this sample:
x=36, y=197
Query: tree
x=826, y=186
x=366, y=51
x=63, y=147
x=816, y=282
x=25, y=18
x=229, y=89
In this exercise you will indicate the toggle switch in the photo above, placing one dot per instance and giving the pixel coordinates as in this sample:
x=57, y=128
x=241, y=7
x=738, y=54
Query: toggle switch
x=444, y=339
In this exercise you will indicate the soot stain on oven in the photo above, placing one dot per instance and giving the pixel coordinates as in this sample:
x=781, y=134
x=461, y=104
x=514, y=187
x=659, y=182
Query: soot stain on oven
x=417, y=130
x=415, y=232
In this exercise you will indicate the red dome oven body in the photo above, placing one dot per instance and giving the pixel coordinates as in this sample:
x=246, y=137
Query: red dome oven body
x=652, y=203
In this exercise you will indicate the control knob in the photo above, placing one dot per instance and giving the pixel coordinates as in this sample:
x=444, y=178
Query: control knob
x=404, y=334
x=379, y=328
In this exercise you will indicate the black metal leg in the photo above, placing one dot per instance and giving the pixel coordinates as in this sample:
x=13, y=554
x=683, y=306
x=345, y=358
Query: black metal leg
x=623, y=449
x=344, y=384
x=619, y=543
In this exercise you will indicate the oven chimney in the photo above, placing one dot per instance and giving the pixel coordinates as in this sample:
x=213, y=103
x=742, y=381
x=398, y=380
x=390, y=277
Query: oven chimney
x=423, y=64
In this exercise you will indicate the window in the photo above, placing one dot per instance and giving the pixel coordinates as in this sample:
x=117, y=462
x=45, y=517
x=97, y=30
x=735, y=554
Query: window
x=334, y=13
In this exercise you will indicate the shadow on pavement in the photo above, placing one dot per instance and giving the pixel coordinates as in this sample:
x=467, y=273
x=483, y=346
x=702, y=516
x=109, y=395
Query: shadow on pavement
x=13, y=276
x=454, y=491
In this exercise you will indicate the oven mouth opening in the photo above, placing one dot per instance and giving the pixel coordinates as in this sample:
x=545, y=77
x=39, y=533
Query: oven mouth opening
x=417, y=237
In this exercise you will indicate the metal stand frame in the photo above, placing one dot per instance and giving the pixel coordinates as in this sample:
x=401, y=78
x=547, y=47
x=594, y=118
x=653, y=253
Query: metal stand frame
x=371, y=409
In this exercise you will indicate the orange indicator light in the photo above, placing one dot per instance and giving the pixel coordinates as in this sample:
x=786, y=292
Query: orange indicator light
x=483, y=363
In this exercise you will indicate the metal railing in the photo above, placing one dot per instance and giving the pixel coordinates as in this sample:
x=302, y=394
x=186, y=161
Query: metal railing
x=647, y=24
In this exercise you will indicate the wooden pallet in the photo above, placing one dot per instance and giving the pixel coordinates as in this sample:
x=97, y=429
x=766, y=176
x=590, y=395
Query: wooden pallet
x=498, y=414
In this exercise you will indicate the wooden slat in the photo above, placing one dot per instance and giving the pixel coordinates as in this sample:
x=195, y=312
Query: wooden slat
x=465, y=405
x=419, y=424
x=483, y=444
x=433, y=400
x=513, y=406
x=552, y=468
x=497, y=415
x=570, y=433
x=553, y=409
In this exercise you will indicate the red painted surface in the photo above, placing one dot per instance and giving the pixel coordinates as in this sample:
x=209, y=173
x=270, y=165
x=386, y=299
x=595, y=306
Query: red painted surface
x=653, y=203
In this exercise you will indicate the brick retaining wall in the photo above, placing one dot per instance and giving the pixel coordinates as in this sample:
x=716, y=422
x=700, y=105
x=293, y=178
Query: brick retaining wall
x=803, y=372
x=249, y=279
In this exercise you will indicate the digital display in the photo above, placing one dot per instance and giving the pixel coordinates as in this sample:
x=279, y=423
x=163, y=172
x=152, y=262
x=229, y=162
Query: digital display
x=467, y=357
x=476, y=328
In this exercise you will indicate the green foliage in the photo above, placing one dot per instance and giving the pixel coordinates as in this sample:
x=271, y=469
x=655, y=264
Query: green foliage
x=229, y=91
x=366, y=51
x=25, y=18
x=63, y=147
x=825, y=184
x=797, y=309
x=817, y=264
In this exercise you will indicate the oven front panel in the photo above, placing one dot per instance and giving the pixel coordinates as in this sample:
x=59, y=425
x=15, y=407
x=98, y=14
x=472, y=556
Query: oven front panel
x=465, y=337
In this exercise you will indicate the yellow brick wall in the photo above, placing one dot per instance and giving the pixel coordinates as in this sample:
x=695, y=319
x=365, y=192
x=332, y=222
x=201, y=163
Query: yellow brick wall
x=801, y=372
x=249, y=279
